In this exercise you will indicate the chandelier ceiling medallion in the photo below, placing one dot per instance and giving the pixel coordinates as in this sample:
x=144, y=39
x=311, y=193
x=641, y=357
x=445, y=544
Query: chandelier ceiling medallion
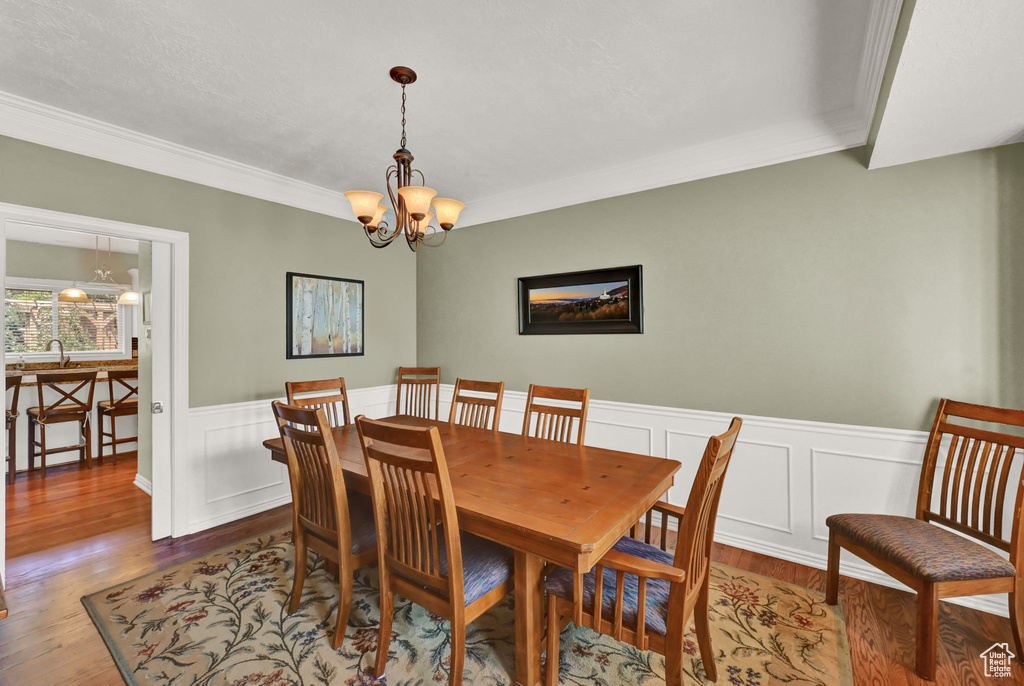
x=411, y=204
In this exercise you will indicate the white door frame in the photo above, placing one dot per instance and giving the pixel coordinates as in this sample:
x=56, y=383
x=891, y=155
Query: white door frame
x=169, y=517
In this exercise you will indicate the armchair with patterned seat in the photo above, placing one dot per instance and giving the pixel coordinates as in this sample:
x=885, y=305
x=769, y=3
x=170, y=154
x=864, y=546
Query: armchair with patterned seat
x=967, y=495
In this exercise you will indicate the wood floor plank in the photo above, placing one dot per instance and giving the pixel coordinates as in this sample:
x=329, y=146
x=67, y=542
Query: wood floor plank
x=83, y=530
x=74, y=533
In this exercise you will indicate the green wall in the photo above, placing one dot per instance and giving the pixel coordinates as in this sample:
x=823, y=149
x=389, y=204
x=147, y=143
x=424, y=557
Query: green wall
x=812, y=290
x=41, y=261
x=240, y=249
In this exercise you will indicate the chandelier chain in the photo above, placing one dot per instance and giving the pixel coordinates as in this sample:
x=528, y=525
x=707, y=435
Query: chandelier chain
x=403, y=115
x=404, y=195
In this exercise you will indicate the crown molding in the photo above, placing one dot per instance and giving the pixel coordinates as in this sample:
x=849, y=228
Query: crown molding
x=56, y=128
x=829, y=132
x=883, y=18
x=834, y=131
x=839, y=130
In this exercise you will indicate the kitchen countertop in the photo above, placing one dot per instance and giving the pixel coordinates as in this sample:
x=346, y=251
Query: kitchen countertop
x=32, y=368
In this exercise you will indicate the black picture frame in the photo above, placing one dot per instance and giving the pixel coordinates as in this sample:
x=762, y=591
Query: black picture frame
x=536, y=323
x=293, y=352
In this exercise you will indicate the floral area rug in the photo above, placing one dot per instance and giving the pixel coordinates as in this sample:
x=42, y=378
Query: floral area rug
x=222, y=619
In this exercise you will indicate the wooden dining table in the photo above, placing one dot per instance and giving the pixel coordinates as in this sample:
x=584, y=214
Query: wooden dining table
x=549, y=502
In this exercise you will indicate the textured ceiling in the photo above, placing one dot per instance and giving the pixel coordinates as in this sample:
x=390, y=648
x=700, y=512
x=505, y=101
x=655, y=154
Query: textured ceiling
x=510, y=94
x=958, y=86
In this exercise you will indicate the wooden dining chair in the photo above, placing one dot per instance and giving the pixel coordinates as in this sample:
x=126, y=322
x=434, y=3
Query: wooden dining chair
x=13, y=382
x=123, y=401
x=482, y=412
x=650, y=594
x=970, y=498
x=419, y=388
x=555, y=422
x=422, y=553
x=70, y=406
x=326, y=517
x=330, y=395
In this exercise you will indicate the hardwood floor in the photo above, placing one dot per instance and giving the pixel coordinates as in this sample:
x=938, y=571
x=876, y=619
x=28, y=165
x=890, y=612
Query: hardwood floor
x=85, y=530
x=80, y=532
x=100, y=500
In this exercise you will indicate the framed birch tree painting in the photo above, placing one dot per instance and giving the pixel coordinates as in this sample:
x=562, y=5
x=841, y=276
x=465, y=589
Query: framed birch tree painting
x=325, y=316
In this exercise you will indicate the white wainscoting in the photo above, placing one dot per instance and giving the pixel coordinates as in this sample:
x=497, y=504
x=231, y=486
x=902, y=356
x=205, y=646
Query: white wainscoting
x=230, y=473
x=787, y=475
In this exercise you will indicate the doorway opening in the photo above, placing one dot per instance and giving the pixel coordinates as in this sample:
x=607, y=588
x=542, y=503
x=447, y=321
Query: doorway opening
x=78, y=366
x=165, y=338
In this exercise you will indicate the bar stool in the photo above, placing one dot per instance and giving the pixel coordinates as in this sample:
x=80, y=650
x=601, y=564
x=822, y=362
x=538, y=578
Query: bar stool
x=12, y=418
x=125, y=405
x=72, y=406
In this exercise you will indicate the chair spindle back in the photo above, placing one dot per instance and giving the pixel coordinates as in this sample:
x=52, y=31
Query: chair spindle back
x=976, y=474
x=315, y=472
x=409, y=520
x=553, y=422
x=693, y=547
x=331, y=394
x=419, y=387
x=474, y=410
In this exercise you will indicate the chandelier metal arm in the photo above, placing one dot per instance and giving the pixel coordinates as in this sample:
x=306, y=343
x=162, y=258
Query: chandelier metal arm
x=376, y=242
x=399, y=176
x=429, y=238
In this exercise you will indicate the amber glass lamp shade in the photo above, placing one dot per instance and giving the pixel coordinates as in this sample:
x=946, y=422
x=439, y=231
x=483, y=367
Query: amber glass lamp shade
x=364, y=204
x=417, y=200
x=421, y=225
x=447, y=211
x=377, y=216
x=73, y=295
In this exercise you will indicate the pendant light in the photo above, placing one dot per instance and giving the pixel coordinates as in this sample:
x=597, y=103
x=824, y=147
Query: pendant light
x=128, y=297
x=74, y=294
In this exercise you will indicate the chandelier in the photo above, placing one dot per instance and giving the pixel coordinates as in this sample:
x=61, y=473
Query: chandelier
x=74, y=294
x=411, y=204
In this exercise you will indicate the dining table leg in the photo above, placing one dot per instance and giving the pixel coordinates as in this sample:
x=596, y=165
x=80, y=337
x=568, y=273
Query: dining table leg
x=529, y=609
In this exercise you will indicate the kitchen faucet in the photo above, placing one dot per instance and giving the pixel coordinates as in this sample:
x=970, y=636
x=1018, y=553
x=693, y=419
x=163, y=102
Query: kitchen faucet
x=64, y=359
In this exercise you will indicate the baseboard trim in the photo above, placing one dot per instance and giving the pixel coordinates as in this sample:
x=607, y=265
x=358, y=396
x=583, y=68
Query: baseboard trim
x=144, y=484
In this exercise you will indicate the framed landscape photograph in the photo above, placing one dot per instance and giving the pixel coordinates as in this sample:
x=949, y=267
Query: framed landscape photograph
x=594, y=301
x=324, y=316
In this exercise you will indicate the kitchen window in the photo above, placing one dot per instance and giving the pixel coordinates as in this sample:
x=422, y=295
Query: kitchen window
x=97, y=330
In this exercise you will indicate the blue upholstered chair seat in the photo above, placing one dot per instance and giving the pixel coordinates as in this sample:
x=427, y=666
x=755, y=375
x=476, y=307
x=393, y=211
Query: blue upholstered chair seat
x=922, y=549
x=485, y=565
x=560, y=584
